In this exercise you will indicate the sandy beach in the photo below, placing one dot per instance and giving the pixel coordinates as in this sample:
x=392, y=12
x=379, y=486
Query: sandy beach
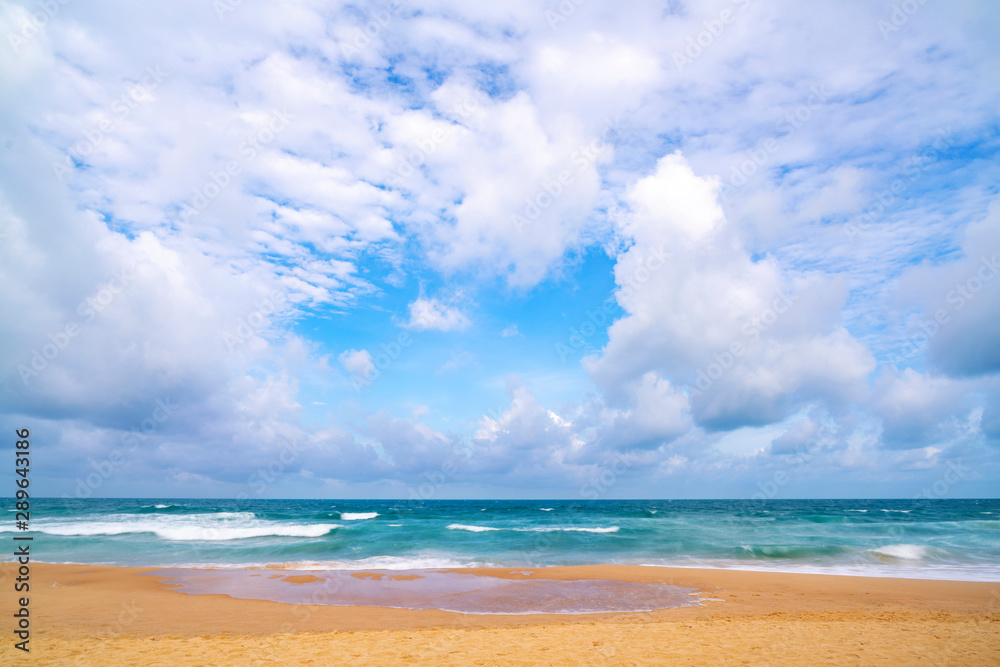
x=90, y=615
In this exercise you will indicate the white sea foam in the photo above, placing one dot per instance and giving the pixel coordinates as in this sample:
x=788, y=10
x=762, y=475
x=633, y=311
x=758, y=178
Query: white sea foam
x=558, y=529
x=197, y=527
x=538, y=529
x=546, y=509
x=357, y=516
x=372, y=563
x=160, y=507
x=884, y=567
x=403, y=563
x=272, y=530
x=190, y=533
x=857, y=510
x=902, y=551
x=903, y=511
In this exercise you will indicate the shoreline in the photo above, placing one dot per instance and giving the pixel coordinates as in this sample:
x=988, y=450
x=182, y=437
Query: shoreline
x=860, y=572
x=84, y=610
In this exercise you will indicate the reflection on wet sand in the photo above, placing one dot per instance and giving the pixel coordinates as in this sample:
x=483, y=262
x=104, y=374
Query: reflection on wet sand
x=433, y=589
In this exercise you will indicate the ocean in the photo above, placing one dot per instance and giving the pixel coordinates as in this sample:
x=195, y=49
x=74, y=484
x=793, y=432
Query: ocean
x=925, y=539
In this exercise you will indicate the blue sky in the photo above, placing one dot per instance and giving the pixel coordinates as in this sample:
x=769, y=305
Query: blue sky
x=522, y=249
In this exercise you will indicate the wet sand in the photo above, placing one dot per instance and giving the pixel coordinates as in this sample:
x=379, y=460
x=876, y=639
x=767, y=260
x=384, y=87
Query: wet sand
x=93, y=615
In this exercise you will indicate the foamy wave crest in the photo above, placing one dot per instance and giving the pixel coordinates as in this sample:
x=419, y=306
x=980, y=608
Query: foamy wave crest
x=191, y=533
x=204, y=527
x=558, y=529
x=357, y=516
x=546, y=509
x=210, y=534
x=539, y=529
x=901, y=552
x=902, y=511
x=366, y=564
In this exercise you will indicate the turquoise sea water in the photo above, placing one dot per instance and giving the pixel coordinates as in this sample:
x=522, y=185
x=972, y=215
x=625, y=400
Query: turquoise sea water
x=933, y=539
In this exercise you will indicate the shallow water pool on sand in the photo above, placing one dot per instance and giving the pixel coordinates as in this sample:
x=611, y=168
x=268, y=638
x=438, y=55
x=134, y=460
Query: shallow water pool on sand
x=431, y=589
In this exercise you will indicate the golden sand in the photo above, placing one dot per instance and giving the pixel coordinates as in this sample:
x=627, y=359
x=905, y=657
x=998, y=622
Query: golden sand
x=89, y=615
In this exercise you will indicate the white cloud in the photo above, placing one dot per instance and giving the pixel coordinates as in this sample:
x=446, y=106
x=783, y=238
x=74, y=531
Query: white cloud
x=357, y=362
x=525, y=442
x=914, y=408
x=749, y=340
x=656, y=413
x=797, y=438
x=432, y=314
x=959, y=323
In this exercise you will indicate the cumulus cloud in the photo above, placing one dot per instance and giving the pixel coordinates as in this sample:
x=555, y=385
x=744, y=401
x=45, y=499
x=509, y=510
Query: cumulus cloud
x=959, y=321
x=656, y=412
x=524, y=442
x=749, y=341
x=914, y=408
x=796, y=438
x=434, y=315
x=357, y=362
